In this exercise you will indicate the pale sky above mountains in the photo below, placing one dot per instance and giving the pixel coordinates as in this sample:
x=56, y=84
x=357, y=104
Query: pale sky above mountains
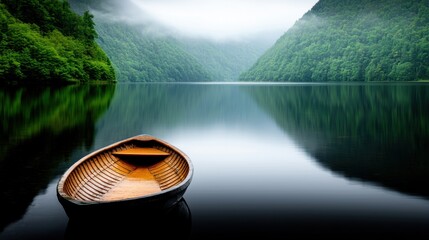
x=225, y=19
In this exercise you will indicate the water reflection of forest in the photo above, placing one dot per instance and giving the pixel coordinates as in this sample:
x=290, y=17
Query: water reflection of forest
x=41, y=127
x=376, y=133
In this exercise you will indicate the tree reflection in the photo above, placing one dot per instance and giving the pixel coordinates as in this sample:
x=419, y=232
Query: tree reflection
x=375, y=133
x=41, y=128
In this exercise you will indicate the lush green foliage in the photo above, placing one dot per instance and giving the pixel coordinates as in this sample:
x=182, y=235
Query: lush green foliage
x=138, y=56
x=149, y=57
x=44, y=41
x=144, y=58
x=347, y=40
x=147, y=52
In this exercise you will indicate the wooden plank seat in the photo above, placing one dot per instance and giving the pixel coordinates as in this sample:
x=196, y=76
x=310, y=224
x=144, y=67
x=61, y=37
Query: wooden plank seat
x=141, y=151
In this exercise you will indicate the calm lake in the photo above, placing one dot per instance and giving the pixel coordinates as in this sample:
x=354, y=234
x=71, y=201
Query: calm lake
x=270, y=160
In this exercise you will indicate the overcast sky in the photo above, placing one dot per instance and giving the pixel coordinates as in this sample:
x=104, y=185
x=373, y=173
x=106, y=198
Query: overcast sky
x=226, y=19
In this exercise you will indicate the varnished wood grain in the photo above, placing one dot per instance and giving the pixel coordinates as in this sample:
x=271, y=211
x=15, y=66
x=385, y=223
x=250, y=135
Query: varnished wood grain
x=109, y=176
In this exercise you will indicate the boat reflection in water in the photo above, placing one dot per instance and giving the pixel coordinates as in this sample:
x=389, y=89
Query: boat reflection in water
x=174, y=221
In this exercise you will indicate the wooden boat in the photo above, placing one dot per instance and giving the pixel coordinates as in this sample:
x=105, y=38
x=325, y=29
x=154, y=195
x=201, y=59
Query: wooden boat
x=140, y=172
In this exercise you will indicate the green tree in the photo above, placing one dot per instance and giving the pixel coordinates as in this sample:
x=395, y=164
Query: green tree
x=347, y=40
x=44, y=48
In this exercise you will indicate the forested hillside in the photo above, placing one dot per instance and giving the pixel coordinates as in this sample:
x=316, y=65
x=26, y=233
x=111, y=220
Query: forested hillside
x=45, y=41
x=225, y=61
x=142, y=50
x=347, y=40
x=144, y=58
x=138, y=56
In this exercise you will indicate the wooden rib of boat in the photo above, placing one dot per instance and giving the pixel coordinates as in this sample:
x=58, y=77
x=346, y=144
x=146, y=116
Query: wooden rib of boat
x=138, y=172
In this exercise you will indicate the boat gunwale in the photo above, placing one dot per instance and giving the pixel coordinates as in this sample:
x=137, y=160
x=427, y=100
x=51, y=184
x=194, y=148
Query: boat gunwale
x=144, y=138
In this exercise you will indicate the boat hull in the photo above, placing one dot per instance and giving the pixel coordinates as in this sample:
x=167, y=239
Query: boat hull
x=150, y=205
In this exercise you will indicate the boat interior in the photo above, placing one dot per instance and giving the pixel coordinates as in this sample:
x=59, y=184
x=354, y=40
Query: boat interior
x=130, y=170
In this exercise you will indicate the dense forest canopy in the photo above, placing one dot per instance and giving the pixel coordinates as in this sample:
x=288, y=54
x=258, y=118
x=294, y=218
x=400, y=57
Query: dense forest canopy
x=45, y=41
x=141, y=58
x=348, y=40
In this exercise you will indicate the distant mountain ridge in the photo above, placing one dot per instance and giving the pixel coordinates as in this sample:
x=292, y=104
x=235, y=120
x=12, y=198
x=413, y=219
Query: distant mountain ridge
x=140, y=58
x=143, y=51
x=224, y=61
x=347, y=40
x=136, y=56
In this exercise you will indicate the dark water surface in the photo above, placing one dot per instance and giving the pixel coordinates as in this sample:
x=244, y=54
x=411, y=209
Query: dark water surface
x=271, y=161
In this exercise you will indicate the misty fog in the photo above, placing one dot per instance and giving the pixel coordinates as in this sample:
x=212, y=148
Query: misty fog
x=220, y=20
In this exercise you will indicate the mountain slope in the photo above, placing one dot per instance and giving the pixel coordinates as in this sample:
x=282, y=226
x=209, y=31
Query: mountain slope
x=45, y=41
x=143, y=50
x=139, y=56
x=225, y=61
x=147, y=58
x=347, y=40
